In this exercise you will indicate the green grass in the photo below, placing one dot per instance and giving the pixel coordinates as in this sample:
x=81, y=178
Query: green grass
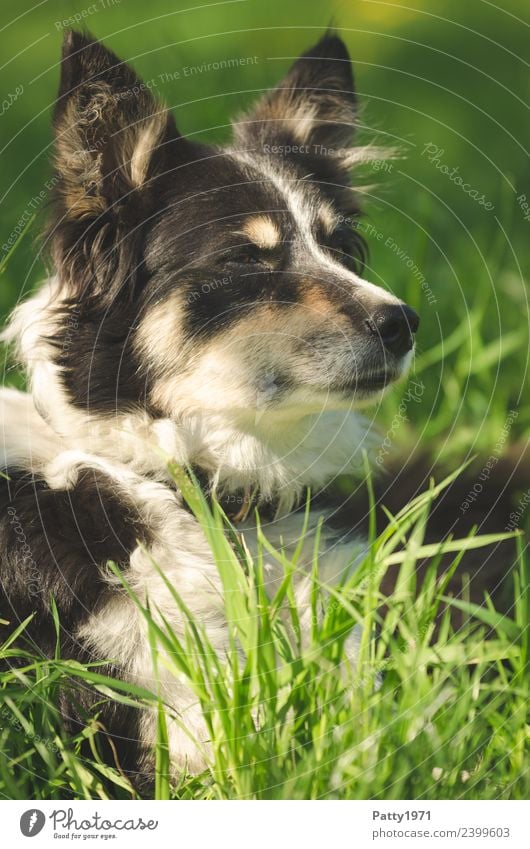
x=427, y=712
x=448, y=720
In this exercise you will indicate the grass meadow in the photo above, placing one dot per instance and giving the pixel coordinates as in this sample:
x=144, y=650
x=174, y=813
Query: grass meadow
x=437, y=705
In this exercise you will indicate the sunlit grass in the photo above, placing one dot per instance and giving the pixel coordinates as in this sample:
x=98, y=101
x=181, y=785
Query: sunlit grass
x=425, y=712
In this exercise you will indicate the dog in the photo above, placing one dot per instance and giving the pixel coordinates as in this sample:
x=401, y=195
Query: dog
x=207, y=306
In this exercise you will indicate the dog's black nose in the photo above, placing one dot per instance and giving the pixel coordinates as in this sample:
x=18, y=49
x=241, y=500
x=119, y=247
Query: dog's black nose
x=395, y=325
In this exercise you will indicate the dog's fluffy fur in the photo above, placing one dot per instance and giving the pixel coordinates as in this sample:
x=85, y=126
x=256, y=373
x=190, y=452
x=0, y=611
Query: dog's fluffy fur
x=206, y=307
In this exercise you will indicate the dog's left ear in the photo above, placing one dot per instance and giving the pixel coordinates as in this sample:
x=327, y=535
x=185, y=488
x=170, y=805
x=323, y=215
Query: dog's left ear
x=114, y=144
x=111, y=136
x=314, y=105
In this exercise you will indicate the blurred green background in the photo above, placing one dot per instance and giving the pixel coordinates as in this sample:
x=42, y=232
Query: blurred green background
x=452, y=76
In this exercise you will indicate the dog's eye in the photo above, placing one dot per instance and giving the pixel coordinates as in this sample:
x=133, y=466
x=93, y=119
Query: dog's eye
x=347, y=248
x=340, y=242
x=245, y=258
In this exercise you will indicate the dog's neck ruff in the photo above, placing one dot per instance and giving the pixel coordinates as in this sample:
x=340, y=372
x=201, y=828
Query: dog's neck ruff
x=273, y=464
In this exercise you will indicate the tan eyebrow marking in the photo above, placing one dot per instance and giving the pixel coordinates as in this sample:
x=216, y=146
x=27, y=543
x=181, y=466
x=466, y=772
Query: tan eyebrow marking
x=261, y=230
x=315, y=300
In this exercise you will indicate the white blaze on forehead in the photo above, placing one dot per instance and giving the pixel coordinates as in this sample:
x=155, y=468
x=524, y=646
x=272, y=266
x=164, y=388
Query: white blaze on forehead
x=304, y=209
x=327, y=217
x=262, y=230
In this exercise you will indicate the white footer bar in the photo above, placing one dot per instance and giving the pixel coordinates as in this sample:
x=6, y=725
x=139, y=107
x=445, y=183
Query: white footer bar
x=267, y=824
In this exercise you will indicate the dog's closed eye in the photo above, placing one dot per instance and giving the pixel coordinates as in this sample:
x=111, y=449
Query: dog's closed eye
x=246, y=257
x=347, y=247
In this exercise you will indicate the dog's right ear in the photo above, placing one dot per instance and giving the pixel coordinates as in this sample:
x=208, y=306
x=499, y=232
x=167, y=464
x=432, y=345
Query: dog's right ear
x=314, y=105
x=112, y=141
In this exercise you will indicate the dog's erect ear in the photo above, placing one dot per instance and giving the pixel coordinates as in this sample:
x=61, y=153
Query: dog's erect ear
x=112, y=141
x=314, y=105
x=111, y=134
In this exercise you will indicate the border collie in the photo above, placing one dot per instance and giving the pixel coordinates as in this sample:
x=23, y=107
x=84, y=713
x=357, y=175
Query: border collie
x=207, y=306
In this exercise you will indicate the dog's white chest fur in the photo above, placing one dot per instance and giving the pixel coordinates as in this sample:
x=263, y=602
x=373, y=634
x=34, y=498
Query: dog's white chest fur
x=117, y=629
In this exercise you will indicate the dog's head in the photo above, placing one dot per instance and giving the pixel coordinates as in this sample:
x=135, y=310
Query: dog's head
x=217, y=279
